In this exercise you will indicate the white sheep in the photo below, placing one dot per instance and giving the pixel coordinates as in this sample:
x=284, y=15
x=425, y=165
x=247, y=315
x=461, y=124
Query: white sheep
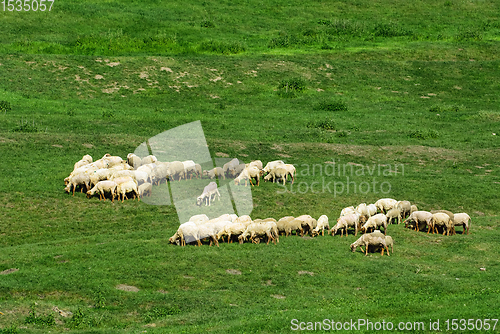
x=148, y=160
x=102, y=187
x=389, y=242
x=364, y=211
x=463, y=219
x=347, y=211
x=413, y=209
x=215, y=172
x=230, y=165
x=159, y=173
x=99, y=175
x=81, y=179
x=187, y=232
x=248, y=174
x=375, y=222
x=140, y=177
x=256, y=230
x=208, y=192
x=234, y=229
x=420, y=219
x=201, y=217
x=176, y=169
x=292, y=171
x=134, y=160
x=344, y=222
x=394, y=213
x=271, y=165
x=189, y=168
x=126, y=187
x=145, y=189
x=256, y=163
x=405, y=208
x=321, y=226
x=443, y=220
x=376, y=239
x=308, y=223
x=385, y=204
x=122, y=173
x=277, y=173
x=208, y=230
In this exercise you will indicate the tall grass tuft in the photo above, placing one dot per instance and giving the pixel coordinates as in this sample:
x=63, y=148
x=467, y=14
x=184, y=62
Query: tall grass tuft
x=330, y=106
x=292, y=87
x=5, y=106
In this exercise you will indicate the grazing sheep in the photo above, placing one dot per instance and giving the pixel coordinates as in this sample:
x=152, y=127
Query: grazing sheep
x=150, y=159
x=122, y=173
x=291, y=171
x=344, y=222
x=140, y=177
x=463, y=219
x=126, y=187
x=375, y=222
x=189, y=168
x=443, y=220
x=451, y=215
x=282, y=223
x=389, y=242
x=256, y=230
x=187, y=232
x=230, y=165
x=234, y=229
x=145, y=189
x=134, y=161
x=207, y=230
x=81, y=163
x=392, y=214
x=308, y=223
x=420, y=219
x=372, y=209
x=376, y=239
x=208, y=192
x=102, y=187
x=199, y=170
x=99, y=175
x=176, y=169
x=113, y=160
x=248, y=174
x=413, y=209
x=124, y=179
x=347, y=211
x=81, y=179
x=321, y=226
x=385, y=204
x=213, y=173
x=159, y=173
x=364, y=211
x=277, y=173
x=405, y=208
x=256, y=163
x=293, y=225
x=233, y=171
x=271, y=165
x=199, y=218
x=148, y=168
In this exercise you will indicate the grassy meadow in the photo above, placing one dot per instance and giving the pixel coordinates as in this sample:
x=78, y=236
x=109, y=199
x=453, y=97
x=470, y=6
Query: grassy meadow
x=408, y=88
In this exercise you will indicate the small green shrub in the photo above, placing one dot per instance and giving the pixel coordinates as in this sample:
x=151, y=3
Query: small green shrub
x=291, y=87
x=444, y=108
x=424, y=134
x=10, y=330
x=5, y=106
x=342, y=134
x=331, y=106
x=108, y=114
x=32, y=318
x=207, y=24
x=469, y=35
x=327, y=124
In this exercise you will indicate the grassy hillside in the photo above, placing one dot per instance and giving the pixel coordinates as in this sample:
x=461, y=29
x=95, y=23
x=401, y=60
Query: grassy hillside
x=409, y=86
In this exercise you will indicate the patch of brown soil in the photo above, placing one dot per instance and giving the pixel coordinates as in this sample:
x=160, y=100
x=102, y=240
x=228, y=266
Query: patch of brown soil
x=125, y=287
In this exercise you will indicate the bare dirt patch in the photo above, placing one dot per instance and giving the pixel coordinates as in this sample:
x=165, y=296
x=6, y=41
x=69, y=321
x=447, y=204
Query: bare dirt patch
x=9, y=271
x=88, y=145
x=125, y=287
x=233, y=271
x=303, y=272
x=278, y=296
x=222, y=155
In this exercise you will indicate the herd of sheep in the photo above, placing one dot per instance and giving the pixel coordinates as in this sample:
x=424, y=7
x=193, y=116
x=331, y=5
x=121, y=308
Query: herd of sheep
x=366, y=218
x=117, y=177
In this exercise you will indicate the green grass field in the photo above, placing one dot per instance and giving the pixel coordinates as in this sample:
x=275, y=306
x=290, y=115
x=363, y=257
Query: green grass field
x=364, y=84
